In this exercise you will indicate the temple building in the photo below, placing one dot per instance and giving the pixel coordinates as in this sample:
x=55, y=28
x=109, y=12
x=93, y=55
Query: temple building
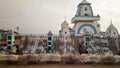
x=65, y=31
x=86, y=30
x=85, y=22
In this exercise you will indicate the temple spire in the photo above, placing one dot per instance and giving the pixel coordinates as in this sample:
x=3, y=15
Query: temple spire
x=111, y=20
x=111, y=24
x=65, y=18
x=84, y=1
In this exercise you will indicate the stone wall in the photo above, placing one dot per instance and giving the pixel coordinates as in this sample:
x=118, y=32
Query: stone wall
x=56, y=58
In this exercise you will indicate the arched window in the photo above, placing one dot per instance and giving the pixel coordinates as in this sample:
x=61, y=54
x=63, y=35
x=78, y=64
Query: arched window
x=98, y=25
x=114, y=33
x=86, y=14
x=85, y=9
x=65, y=32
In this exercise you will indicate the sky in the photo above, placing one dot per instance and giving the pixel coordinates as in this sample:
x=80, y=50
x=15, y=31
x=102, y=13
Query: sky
x=40, y=16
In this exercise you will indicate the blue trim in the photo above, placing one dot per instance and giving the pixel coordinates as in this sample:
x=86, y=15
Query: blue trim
x=79, y=29
x=80, y=9
x=88, y=17
x=91, y=10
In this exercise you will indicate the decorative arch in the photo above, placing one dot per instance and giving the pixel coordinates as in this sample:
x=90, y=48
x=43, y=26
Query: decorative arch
x=79, y=29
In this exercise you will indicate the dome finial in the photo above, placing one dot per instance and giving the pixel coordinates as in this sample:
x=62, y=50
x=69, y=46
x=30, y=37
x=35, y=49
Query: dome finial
x=84, y=1
x=111, y=20
x=111, y=25
x=65, y=18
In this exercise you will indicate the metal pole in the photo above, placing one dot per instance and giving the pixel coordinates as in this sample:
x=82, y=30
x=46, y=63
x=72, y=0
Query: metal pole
x=65, y=45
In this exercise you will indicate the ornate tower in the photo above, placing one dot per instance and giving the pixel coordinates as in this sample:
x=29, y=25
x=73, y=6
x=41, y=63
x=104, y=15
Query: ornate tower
x=50, y=43
x=111, y=31
x=84, y=20
x=64, y=29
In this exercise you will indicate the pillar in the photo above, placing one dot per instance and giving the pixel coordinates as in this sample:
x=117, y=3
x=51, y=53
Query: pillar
x=50, y=42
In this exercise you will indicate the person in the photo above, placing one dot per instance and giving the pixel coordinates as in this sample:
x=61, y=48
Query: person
x=3, y=45
x=82, y=50
x=17, y=44
x=3, y=48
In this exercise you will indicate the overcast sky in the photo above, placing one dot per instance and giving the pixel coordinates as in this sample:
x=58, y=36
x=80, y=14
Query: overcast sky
x=40, y=16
